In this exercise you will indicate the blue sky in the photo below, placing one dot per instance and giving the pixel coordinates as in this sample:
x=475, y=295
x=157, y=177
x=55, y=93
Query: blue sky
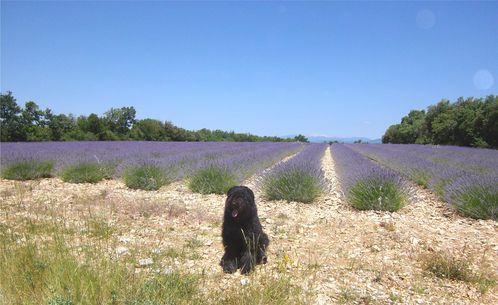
x=269, y=68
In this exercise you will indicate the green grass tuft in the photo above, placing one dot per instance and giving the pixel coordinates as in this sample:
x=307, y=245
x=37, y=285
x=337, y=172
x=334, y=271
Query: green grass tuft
x=86, y=173
x=147, y=177
x=212, y=180
x=445, y=266
x=28, y=170
x=292, y=185
x=376, y=194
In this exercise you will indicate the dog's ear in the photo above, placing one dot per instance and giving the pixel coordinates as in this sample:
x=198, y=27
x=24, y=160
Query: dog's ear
x=251, y=194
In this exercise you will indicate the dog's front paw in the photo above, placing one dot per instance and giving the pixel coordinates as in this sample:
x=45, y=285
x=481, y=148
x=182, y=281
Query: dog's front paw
x=229, y=266
x=264, y=259
x=246, y=269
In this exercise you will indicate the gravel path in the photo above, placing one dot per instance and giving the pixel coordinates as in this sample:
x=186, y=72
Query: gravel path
x=335, y=253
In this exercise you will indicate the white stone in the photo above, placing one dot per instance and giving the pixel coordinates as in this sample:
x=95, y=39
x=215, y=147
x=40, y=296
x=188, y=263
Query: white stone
x=322, y=299
x=121, y=250
x=124, y=239
x=414, y=241
x=145, y=262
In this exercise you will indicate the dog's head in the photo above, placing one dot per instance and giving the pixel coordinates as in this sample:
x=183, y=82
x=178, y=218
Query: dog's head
x=240, y=203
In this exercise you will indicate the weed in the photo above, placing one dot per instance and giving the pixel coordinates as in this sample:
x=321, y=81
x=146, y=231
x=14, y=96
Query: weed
x=449, y=267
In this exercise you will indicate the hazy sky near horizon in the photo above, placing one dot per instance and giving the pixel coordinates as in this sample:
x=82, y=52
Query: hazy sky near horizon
x=268, y=68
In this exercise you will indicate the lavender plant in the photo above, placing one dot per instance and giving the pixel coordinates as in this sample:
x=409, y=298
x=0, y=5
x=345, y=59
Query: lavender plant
x=212, y=179
x=85, y=172
x=148, y=176
x=300, y=179
x=28, y=170
x=367, y=185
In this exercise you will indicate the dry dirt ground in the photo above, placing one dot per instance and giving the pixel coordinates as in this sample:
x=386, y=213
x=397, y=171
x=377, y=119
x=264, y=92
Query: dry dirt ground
x=334, y=253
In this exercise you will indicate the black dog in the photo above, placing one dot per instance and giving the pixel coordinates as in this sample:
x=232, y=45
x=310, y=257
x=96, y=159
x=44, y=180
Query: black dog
x=243, y=237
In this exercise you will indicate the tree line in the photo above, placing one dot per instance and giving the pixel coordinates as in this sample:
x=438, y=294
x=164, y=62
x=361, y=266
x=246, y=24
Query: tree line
x=465, y=122
x=30, y=123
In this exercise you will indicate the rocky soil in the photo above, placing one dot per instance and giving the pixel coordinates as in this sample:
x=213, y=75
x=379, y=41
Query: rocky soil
x=334, y=253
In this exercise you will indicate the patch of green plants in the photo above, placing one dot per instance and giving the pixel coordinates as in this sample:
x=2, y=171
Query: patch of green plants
x=446, y=266
x=147, y=177
x=376, y=194
x=28, y=170
x=52, y=271
x=212, y=180
x=478, y=202
x=98, y=227
x=292, y=185
x=352, y=296
x=86, y=172
x=263, y=289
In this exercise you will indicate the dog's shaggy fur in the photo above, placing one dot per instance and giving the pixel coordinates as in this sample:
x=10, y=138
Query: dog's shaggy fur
x=244, y=241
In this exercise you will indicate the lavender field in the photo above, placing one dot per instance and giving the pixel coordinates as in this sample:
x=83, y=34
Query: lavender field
x=371, y=176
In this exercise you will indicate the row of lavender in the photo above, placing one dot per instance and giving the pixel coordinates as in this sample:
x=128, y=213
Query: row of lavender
x=299, y=179
x=367, y=185
x=179, y=158
x=467, y=178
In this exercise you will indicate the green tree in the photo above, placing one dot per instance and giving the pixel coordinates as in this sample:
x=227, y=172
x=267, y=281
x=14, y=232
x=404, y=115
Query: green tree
x=149, y=130
x=120, y=120
x=490, y=120
x=35, y=124
x=10, y=120
x=433, y=112
x=301, y=138
x=59, y=125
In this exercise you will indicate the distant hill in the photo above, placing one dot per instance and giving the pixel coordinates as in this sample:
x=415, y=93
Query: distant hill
x=321, y=139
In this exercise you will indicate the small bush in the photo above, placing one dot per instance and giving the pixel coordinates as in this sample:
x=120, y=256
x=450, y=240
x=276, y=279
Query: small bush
x=292, y=185
x=85, y=173
x=212, y=180
x=479, y=202
x=376, y=194
x=448, y=267
x=147, y=177
x=28, y=170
